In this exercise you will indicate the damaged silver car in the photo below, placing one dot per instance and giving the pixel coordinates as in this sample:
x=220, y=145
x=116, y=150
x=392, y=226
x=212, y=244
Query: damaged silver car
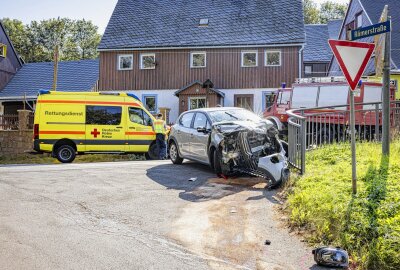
x=232, y=141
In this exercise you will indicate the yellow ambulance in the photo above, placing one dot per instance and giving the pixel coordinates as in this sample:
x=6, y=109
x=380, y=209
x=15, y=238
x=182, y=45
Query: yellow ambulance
x=70, y=123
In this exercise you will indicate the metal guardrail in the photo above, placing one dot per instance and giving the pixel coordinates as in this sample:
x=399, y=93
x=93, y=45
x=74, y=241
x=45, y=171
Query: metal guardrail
x=311, y=127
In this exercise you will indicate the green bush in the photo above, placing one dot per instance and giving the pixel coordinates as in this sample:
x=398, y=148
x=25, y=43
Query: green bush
x=367, y=224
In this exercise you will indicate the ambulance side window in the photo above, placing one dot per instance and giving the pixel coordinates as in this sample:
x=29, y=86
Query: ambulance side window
x=138, y=116
x=103, y=115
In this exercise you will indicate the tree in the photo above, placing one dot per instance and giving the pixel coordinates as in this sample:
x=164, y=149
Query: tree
x=328, y=10
x=86, y=38
x=311, y=12
x=36, y=42
x=331, y=11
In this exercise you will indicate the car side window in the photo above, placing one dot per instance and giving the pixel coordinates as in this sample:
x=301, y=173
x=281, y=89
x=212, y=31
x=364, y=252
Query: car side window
x=186, y=120
x=138, y=116
x=200, y=120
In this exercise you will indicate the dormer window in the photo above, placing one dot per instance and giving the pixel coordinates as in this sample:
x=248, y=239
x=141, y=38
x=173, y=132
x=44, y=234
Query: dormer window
x=359, y=21
x=203, y=22
x=3, y=50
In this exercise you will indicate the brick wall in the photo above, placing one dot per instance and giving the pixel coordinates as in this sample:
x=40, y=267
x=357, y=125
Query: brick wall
x=15, y=142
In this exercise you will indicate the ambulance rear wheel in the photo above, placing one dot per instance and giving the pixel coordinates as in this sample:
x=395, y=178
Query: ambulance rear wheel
x=65, y=154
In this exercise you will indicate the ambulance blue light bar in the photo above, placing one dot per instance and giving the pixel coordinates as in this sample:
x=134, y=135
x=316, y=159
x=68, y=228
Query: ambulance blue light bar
x=133, y=95
x=43, y=92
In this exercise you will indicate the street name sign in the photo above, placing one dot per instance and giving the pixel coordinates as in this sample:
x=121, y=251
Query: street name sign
x=352, y=57
x=372, y=30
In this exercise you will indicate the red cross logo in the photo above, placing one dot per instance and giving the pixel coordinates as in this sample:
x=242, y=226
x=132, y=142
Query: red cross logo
x=95, y=133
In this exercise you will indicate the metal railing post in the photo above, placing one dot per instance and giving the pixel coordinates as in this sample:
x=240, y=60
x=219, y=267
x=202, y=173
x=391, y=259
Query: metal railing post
x=377, y=137
x=303, y=147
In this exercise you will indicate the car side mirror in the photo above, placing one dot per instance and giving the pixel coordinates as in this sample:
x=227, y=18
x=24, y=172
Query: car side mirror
x=202, y=129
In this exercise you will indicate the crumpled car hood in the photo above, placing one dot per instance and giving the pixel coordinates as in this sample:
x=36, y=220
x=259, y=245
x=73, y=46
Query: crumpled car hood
x=251, y=147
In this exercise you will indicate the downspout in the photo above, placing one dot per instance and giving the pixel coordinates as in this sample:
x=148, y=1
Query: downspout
x=300, y=61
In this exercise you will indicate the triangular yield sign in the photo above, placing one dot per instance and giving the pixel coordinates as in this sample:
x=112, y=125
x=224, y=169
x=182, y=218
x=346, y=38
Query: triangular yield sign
x=352, y=57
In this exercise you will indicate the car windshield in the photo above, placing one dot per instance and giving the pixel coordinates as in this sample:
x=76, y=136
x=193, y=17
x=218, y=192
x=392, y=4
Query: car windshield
x=233, y=115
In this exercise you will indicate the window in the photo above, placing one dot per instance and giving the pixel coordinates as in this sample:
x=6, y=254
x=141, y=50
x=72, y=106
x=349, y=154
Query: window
x=125, y=62
x=272, y=58
x=103, y=115
x=308, y=69
x=150, y=102
x=186, y=120
x=284, y=98
x=333, y=95
x=350, y=26
x=249, y=58
x=197, y=59
x=371, y=94
x=3, y=50
x=200, y=120
x=268, y=100
x=359, y=21
x=244, y=101
x=138, y=116
x=203, y=22
x=147, y=61
x=197, y=103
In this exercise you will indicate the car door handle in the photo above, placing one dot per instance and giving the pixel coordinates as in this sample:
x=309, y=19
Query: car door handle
x=132, y=128
x=119, y=127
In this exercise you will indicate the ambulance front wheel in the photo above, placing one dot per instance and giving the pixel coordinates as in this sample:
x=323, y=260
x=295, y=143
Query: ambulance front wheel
x=65, y=154
x=152, y=154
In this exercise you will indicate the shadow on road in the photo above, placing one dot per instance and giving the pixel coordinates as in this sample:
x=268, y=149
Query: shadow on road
x=206, y=186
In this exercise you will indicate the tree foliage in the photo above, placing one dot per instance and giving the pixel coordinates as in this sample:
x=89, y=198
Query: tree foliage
x=328, y=10
x=76, y=39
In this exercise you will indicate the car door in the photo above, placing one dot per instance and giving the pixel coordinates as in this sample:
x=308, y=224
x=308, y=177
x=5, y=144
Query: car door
x=139, y=130
x=199, y=140
x=183, y=134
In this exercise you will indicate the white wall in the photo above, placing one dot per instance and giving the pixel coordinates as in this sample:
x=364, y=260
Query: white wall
x=258, y=93
x=166, y=98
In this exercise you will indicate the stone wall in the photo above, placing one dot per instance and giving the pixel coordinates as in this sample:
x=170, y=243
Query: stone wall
x=15, y=142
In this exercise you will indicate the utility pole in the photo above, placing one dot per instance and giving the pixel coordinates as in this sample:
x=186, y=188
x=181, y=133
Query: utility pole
x=386, y=95
x=55, y=73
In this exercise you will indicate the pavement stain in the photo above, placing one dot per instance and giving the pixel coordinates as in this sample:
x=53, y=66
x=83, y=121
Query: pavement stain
x=223, y=225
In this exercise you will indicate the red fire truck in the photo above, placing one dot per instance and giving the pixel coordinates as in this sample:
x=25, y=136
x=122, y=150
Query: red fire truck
x=327, y=93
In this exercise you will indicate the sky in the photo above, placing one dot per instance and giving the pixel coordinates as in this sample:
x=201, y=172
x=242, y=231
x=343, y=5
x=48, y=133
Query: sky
x=98, y=11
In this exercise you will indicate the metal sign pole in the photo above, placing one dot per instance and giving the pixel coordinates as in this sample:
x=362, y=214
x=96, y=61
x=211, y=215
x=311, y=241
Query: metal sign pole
x=386, y=98
x=353, y=143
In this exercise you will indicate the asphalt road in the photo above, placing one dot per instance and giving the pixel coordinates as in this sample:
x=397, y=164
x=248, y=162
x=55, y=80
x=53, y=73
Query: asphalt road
x=140, y=215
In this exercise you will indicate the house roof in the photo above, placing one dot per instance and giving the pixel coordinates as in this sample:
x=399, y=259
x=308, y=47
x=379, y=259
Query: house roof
x=218, y=92
x=374, y=10
x=73, y=76
x=175, y=23
x=10, y=42
x=334, y=27
x=317, y=48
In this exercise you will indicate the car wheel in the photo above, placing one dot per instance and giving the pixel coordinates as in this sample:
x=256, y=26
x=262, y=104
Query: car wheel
x=65, y=154
x=152, y=154
x=217, y=161
x=174, y=154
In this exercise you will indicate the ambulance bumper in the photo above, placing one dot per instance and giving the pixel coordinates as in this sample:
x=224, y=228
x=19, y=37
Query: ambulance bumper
x=36, y=146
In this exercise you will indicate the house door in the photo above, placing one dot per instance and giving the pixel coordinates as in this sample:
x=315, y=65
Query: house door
x=244, y=101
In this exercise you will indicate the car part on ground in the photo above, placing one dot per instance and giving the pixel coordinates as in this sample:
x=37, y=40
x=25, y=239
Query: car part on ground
x=249, y=147
x=332, y=257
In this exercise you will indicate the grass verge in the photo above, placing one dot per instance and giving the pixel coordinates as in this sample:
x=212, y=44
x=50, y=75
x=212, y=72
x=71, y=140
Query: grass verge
x=47, y=159
x=367, y=224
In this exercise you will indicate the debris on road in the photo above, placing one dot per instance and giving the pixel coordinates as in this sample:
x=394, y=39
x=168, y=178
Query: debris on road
x=267, y=242
x=192, y=179
x=233, y=210
x=332, y=257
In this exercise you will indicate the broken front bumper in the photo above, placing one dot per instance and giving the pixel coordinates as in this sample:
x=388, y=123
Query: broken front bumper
x=275, y=167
